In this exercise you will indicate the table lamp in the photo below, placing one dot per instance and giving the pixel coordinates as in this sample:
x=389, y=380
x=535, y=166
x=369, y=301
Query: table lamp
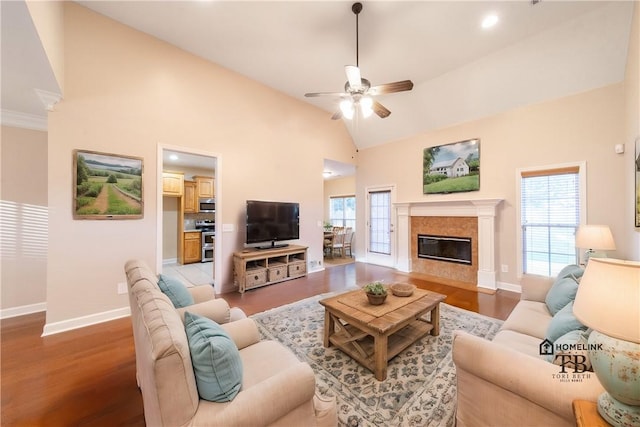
x=608, y=301
x=595, y=238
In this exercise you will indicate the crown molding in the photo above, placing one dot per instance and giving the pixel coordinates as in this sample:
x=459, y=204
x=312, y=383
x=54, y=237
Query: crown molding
x=48, y=99
x=24, y=120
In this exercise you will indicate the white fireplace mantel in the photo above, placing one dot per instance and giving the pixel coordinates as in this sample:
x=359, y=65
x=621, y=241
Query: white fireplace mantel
x=483, y=209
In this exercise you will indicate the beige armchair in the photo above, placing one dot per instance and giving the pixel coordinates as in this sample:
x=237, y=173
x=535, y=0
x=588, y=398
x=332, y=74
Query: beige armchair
x=277, y=389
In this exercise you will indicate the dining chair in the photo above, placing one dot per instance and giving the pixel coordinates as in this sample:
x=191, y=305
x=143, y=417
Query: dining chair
x=348, y=240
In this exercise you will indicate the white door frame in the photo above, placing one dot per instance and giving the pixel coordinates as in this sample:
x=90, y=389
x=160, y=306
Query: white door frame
x=217, y=256
x=377, y=258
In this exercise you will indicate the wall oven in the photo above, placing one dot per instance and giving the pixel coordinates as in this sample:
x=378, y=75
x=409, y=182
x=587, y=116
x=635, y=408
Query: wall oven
x=208, y=229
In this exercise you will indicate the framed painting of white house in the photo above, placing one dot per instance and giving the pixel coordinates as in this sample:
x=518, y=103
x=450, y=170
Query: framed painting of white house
x=451, y=168
x=106, y=186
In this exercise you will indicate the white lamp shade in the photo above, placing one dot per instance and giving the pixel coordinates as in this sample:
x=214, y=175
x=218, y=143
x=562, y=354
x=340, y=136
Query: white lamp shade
x=595, y=237
x=608, y=298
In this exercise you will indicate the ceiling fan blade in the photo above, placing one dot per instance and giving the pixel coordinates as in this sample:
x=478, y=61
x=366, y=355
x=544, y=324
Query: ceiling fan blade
x=353, y=76
x=380, y=110
x=313, y=94
x=337, y=115
x=400, y=86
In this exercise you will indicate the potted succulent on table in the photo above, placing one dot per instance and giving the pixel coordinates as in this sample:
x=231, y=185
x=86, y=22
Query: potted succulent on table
x=376, y=292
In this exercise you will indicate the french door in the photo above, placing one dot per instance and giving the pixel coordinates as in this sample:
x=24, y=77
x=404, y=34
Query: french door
x=380, y=226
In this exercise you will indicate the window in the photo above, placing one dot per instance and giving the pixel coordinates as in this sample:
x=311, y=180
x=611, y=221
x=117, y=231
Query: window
x=550, y=213
x=342, y=211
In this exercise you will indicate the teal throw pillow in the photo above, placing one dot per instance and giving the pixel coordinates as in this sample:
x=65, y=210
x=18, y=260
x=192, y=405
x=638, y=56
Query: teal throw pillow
x=561, y=293
x=176, y=291
x=569, y=270
x=562, y=322
x=215, y=358
x=572, y=343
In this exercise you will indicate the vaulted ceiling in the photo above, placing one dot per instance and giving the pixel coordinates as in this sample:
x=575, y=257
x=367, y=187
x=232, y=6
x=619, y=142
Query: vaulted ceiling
x=460, y=71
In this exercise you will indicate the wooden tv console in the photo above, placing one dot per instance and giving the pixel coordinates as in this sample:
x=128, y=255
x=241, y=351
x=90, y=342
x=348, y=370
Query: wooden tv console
x=253, y=268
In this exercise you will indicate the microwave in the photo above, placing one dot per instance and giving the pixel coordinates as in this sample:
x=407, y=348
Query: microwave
x=206, y=205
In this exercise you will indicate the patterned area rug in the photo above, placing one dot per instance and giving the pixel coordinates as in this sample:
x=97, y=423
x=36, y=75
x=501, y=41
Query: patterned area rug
x=420, y=389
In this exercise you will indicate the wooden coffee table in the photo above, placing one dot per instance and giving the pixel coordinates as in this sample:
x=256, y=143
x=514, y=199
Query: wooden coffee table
x=374, y=334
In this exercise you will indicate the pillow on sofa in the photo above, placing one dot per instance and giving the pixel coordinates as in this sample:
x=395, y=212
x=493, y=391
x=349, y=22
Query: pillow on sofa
x=215, y=357
x=175, y=290
x=563, y=322
x=571, y=269
x=562, y=292
x=573, y=343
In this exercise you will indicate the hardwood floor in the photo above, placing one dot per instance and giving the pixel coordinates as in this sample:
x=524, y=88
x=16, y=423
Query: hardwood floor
x=86, y=377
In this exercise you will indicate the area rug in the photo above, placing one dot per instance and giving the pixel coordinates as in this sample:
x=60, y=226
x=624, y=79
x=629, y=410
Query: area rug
x=420, y=389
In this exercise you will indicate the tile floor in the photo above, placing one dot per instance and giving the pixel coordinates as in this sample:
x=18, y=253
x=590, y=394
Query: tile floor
x=199, y=273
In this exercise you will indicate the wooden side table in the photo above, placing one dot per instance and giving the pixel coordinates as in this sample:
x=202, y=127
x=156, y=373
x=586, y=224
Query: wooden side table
x=587, y=415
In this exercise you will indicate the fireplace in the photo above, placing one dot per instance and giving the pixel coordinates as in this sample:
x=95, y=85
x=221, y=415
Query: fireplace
x=471, y=218
x=445, y=248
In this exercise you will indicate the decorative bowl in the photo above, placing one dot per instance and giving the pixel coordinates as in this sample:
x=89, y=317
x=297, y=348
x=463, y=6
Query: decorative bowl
x=402, y=289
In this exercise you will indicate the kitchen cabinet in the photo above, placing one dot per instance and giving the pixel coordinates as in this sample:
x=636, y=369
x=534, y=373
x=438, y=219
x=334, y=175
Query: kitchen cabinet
x=190, y=198
x=205, y=187
x=172, y=184
x=192, y=246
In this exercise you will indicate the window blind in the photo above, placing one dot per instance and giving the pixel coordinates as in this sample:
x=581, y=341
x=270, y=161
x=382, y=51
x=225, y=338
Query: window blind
x=550, y=215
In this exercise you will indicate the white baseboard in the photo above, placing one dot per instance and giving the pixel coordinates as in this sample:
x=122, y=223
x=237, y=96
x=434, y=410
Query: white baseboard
x=509, y=287
x=81, y=322
x=169, y=261
x=23, y=310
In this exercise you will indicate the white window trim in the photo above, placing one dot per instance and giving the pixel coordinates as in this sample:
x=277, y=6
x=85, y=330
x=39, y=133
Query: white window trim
x=582, y=176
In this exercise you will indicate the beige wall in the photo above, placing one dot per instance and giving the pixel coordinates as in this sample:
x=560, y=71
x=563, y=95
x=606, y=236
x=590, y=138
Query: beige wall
x=632, y=128
x=583, y=127
x=126, y=93
x=24, y=220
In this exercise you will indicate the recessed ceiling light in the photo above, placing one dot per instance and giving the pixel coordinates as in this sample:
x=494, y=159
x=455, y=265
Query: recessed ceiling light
x=173, y=157
x=489, y=21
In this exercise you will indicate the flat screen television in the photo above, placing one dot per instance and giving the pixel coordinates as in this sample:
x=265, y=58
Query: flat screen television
x=272, y=222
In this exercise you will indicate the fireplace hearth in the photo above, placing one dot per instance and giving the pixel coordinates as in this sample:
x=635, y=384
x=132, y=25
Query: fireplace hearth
x=445, y=248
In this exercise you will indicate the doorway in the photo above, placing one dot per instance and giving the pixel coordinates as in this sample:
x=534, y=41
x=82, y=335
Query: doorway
x=381, y=242
x=177, y=224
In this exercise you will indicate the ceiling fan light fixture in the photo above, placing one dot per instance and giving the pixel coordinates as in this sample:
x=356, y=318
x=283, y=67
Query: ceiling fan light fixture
x=347, y=108
x=358, y=90
x=366, y=106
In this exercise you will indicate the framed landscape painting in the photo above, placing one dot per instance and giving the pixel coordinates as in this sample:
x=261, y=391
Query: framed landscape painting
x=451, y=168
x=106, y=186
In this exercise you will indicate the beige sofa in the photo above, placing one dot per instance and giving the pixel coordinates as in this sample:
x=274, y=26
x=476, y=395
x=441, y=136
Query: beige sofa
x=505, y=382
x=277, y=389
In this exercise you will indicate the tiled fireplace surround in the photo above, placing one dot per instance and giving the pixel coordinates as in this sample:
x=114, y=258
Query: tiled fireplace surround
x=456, y=218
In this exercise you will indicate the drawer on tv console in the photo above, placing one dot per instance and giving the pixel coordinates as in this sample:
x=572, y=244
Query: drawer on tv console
x=255, y=277
x=277, y=272
x=297, y=268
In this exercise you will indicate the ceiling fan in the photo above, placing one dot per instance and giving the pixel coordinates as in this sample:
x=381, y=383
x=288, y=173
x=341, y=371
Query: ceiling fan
x=358, y=91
